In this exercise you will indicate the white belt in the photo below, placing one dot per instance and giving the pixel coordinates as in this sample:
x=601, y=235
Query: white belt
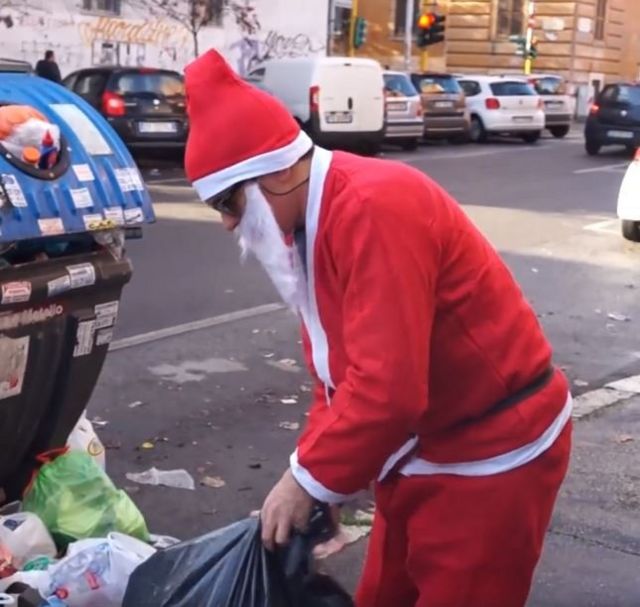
x=417, y=466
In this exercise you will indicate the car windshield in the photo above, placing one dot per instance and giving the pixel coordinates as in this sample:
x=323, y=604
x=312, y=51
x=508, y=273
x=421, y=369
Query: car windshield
x=629, y=94
x=399, y=85
x=431, y=84
x=159, y=83
x=511, y=89
x=549, y=85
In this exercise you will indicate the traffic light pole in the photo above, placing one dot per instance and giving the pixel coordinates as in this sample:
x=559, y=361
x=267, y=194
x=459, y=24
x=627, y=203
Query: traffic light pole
x=408, y=34
x=352, y=27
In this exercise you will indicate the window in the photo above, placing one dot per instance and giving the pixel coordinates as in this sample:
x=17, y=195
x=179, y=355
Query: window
x=401, y=16
x=601, y=13
x=166, y=84
x=471, y=88
x=621, y=94
x=510, y=18
x=102, y=6
x=90, y=85
x=434, y=84
x=549, y=85
x=511, y=89
x=399, y=85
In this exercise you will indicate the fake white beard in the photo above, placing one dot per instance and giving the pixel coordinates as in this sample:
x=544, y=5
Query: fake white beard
x=259, y=233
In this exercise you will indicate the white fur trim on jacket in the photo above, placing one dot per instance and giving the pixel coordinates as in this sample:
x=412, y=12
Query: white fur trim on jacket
x=312, y=486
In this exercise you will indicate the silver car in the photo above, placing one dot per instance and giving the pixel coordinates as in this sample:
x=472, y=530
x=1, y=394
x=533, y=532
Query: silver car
x=404, y=116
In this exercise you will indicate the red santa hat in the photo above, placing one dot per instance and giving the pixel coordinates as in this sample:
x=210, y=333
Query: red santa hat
x=236, y=131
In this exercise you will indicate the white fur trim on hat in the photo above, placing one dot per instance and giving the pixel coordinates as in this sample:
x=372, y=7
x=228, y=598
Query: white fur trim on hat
x=263, y=164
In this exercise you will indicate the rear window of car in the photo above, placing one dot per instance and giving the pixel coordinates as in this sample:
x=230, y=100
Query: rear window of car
x=629, y=94
x=549, y=85
x=431, y=85
x=470, y=87
x=511, y=89
x=399, y=84
x=167, y=84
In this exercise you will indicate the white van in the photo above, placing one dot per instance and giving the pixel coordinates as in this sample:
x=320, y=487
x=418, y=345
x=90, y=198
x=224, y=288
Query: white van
x=339, y=101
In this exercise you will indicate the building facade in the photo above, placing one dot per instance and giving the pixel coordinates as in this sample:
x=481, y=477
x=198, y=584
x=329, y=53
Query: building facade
x=85, y=33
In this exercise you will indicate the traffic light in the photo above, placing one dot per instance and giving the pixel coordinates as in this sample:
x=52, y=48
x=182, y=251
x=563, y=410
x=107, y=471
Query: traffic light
x=437, y=29
x=430, y=29
x=533, y=50
x=360, y=32
x=521, y=47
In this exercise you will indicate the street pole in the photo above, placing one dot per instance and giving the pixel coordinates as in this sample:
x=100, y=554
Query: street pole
x=408, y=34
x=530, y=13
x=352, y=27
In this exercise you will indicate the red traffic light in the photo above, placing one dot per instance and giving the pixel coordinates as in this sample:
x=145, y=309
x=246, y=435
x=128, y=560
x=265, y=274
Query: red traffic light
x=426, y=20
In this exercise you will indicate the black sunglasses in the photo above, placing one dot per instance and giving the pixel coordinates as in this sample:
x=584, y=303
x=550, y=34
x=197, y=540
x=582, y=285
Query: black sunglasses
x=224, y=201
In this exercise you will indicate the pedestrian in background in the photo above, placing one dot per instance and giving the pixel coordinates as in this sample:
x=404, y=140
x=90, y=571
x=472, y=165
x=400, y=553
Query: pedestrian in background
x=48, y=68
x=434, y=380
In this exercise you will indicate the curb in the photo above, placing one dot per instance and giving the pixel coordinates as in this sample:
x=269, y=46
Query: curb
x=612, y=393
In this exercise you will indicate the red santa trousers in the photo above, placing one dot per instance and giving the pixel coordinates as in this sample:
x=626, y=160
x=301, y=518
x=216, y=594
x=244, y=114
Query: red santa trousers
x=460, y=541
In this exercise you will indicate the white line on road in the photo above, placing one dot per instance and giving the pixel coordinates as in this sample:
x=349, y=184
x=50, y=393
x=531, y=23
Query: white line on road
x=197, y=325
x=605, y=168
x=613, y=393
x=607, y=226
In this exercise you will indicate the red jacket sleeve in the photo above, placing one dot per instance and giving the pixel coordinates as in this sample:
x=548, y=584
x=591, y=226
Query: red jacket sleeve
x=387, y=262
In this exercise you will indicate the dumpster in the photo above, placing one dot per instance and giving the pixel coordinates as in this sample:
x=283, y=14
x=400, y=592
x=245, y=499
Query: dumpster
x=69, y=195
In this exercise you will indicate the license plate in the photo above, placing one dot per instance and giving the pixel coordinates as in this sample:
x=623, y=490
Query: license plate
x=443, y=104
x=339, y=117
x=620, y=134
x=553, y=103
x=397, y=106
x=523, y=118
x=157, y=127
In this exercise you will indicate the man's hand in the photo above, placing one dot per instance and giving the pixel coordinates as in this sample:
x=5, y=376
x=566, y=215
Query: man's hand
x=287, y=507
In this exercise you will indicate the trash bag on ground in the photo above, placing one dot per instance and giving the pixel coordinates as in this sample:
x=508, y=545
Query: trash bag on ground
x=76, y=499
x=95, y=572
x=84, y=438
x=231, y=568
x=23, y=536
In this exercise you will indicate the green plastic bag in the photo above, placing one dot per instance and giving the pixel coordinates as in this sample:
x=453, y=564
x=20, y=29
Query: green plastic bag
x=76, y=499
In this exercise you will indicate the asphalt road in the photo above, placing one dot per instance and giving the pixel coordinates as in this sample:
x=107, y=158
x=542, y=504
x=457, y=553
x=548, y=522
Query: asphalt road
x=210, y=401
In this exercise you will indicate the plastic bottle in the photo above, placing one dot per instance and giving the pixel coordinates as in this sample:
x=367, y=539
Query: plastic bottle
x=48, y=152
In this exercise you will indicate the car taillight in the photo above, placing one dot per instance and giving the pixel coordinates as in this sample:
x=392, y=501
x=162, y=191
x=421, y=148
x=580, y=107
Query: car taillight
x=637, y=155
x=540, y=103
x=492, y=103
x=314, y=98
x=595, y=108
x=112, y=104
x=419, y=110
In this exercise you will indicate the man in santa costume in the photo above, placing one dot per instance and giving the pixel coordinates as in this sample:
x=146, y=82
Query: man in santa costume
x=434, y=379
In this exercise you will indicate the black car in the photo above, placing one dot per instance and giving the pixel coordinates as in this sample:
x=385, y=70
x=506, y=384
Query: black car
x=614, y=118
x=146, y=106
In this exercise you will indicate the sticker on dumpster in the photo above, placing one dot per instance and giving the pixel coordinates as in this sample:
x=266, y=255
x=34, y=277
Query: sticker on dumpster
x=93, y=221
x=83, y=172
x=13, y=190
x=51, y=227
x=124, y=180
x=135, y=179
x=4, y=199
x=14, y=354
x=82, y=198
x=115, y=214
x=58, y=285
x=82, y=275
x=84, y=338
x=31, y=316
x=106, y=314
x=17, y=291
x=104, y=337
x=133, y=216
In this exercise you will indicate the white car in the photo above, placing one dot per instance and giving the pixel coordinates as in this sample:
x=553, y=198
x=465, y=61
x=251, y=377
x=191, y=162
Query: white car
x=503, y=105
x=629, y=201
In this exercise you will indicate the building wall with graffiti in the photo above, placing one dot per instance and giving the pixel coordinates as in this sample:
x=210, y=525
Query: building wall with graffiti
x=85, y=33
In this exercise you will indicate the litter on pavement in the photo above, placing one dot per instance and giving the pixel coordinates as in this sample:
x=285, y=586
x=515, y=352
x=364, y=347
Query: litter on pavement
x=176, y=479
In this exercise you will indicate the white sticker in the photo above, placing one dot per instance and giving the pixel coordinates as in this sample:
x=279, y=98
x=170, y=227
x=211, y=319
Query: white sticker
x=106, y=314
x=133, y=216
x=83, y=128
x=17, y=291
x=13, y=190
x=83, y=172
x=14, y=354
x=136, y=179
x=51, y=227
x=115, y=214
x=104, y=337
x=124, y=180
x=58, y=285
x=93, y=221
x=82, y=275
x=31, y=316
x=84, y=338
x=81, y=198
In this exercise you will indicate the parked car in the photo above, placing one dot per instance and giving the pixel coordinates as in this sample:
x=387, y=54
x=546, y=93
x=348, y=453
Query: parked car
x=147, y=107
x=339, y=101
x=405, y=121
x=629, y=201
x=503, y=105
x=557, y=104
x=15, y=66
x=614, y=118
x=443, y=102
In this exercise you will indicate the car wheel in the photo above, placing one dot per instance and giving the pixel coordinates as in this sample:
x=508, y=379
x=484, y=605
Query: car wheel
x=477, y=132
x=592, y=147
x=631, y=230
x=531, y=137
x=631, y=150
x=559, y=131
x=410, y=145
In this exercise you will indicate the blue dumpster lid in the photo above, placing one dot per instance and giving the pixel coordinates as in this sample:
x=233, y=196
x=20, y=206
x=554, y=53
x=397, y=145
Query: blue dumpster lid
x=95, y=184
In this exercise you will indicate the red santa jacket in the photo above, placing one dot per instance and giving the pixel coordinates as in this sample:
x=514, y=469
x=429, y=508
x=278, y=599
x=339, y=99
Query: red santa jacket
x=417, y=334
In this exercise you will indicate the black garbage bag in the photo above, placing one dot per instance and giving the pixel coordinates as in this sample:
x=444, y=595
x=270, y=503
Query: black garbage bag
x=231, y=568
